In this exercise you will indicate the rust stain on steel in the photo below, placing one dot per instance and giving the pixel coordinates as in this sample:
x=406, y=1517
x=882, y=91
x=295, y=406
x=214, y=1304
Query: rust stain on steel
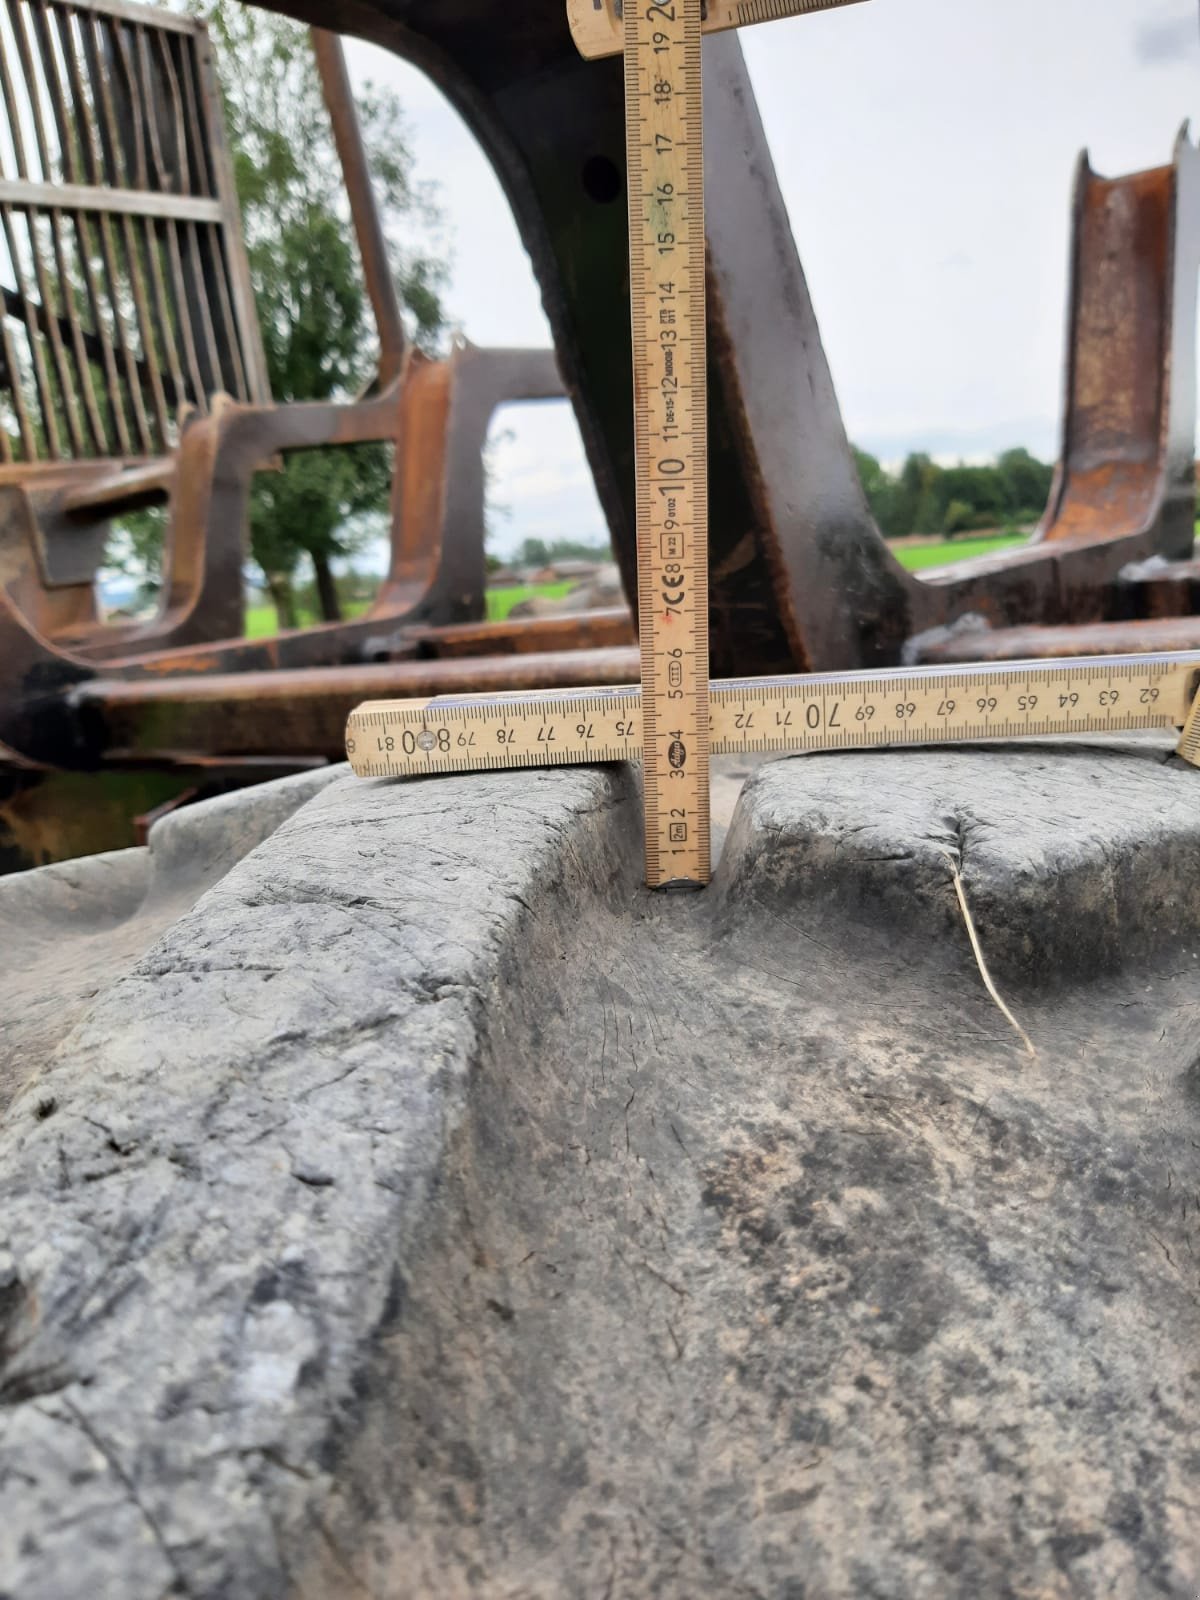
x=580, y=630
x=368, y=229
x=304, y=712
x=1161, y=589
x=1109, y=481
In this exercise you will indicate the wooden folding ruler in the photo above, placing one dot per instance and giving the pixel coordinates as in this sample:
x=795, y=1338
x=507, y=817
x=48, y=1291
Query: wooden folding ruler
x=676, y=717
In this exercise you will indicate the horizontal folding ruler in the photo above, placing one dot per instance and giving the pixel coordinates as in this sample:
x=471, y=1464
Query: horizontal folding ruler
x=676, y=718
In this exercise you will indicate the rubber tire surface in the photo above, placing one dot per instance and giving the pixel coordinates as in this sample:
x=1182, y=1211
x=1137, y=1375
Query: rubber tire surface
x=413, y=1205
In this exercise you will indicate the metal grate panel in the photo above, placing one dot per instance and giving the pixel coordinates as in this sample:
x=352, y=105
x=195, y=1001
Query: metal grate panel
x=123, y=280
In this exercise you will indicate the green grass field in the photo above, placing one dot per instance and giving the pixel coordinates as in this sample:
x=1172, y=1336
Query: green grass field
x=261, y=621
x=501, y=601
x=940, y=552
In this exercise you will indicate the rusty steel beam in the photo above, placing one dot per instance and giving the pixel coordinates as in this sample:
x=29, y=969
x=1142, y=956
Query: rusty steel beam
x=1085, y=639
x=1160, y=589
x=49, y=700
x=438, y=419
x=573, y=630
x=324, y=646
x=368, y=229
x=438, y=572
x=300, y=713
x=1130, y=404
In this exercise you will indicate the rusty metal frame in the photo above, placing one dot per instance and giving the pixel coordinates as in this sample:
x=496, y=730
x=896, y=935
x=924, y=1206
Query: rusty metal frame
x=437, y=417
x=54, y=524
x=801, y=576
x=368, y=225
x=1119, y=529
x=132, y=318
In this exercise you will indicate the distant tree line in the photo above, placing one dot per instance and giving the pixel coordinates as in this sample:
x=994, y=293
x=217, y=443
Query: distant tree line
x=543, y=553
x=925, y=498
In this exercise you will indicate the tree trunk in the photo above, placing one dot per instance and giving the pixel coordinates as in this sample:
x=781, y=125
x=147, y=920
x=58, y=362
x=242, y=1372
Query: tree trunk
x=279, y=587
x=327, y=595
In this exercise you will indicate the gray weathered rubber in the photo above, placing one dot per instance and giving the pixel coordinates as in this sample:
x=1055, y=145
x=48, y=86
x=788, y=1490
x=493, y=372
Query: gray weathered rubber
x=429, y=1211
x=76, y=926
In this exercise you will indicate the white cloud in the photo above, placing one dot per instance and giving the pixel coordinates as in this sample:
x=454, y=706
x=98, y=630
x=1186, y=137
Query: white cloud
x=540, y=478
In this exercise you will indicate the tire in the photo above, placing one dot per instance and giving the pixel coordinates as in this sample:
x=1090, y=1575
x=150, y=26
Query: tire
x=419, y=1207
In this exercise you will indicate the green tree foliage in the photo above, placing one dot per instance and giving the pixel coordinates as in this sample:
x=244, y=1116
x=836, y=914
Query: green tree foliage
x=1027, y=482
x=318, y=332
x=535, y=553
x=316, y=322
x=925, y=498
x=880, y=487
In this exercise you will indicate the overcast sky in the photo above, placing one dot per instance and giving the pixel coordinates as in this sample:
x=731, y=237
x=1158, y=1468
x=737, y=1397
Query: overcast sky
x=926, y=150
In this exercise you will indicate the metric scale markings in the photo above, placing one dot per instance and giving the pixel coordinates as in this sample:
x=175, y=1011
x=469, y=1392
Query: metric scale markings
x=824, y=711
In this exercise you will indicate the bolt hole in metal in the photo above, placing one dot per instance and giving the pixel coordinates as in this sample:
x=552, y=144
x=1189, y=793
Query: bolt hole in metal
x=602, y=181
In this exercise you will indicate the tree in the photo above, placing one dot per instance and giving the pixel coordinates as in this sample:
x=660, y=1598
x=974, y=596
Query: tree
x=930, y=499
x=921, y=508
x=978, y=495
x=535, y=553
x=883, y=495
x=316, y=323
x=315, y=318
x=1026, y=483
